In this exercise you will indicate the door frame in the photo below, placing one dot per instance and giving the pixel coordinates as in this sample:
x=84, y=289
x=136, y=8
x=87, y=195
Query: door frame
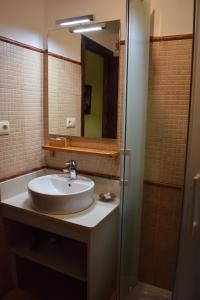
x=89, y=44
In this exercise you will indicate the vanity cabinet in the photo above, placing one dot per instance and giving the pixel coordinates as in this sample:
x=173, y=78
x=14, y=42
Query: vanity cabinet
x=81, y=247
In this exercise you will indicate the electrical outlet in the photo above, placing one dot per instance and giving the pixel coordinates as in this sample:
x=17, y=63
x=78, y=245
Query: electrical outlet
x=71, y=122
x=4, y=127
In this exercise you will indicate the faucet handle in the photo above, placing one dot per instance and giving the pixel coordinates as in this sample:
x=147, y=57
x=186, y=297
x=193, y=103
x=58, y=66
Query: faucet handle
x=71, y=163
x=67, y=164
x=70, y=167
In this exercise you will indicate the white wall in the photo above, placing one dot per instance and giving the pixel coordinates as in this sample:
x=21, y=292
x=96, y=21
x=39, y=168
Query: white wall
x=64, y=43
x=172, y=17
x=23, y=20
x=103, y=10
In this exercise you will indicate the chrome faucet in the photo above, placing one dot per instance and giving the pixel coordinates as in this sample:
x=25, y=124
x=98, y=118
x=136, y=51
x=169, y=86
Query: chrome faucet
x=70, y=168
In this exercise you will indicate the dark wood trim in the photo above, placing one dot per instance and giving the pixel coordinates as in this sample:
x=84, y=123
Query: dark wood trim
x=22, y=173
x=64, y=58
x=19, y=44
x=164, y=185
x=95, y=47
x=107, y=176
x=110, y=97
x=154, y=39
x=26, y=46
x=122, y=42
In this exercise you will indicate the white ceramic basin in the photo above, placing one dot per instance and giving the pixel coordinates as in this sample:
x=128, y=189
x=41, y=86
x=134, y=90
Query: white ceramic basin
x=57, y=194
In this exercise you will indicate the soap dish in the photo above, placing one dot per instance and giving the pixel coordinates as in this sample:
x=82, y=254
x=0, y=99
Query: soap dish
x=107, y=197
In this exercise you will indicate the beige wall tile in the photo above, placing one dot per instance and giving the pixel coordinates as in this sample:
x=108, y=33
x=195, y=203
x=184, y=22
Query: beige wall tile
x=168, y=107
x=64, y=96
x=21, y=103
x=167, y=121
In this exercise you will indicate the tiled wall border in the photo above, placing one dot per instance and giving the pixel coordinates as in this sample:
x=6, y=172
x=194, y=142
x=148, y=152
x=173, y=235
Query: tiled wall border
x=106, y=176
x=19, y=44
x=177, y=37
x=26, y=46
x=64, y=58
x=171, y=38
x=165, y=185
x=22, y=173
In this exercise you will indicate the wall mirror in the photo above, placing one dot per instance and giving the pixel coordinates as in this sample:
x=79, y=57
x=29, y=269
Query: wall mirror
x=83, y=80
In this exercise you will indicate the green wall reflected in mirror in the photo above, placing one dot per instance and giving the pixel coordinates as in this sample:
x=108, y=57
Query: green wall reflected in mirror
x=94, y=78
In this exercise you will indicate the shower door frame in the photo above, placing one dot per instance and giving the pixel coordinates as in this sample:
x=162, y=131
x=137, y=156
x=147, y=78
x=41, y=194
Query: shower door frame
x=134, y=114
x=188, y=268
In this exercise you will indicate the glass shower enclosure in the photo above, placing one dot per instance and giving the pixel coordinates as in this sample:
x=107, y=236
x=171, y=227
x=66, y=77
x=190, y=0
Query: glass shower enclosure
x=132, y=160
x=133, y=148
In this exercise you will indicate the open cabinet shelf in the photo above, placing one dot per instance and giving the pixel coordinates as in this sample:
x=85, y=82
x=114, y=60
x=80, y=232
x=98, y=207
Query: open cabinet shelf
x=68, y=259
x=98, y=152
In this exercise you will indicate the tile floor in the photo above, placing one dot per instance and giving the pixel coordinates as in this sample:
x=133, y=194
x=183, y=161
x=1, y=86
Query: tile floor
x=147, y=292
x=140, y=292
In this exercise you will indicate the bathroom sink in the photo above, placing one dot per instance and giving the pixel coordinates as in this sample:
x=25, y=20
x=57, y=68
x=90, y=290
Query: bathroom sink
x=57, y=194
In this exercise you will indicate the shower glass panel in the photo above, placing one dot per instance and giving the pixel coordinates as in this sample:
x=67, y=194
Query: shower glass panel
x=133, y=149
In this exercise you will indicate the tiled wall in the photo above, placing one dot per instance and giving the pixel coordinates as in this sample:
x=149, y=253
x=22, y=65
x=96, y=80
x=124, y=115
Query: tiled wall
x=85, y=162
x=168, y=103
x=159, y=239
x=64, y=95
x=167, y=120
x=21, y=103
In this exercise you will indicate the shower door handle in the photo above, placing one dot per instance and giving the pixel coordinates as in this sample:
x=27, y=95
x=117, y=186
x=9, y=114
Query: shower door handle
x=196, y=201
x=126, y=153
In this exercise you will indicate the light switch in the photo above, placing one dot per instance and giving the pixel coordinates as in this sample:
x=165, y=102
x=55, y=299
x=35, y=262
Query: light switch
x=71, y=122
x=4, y=127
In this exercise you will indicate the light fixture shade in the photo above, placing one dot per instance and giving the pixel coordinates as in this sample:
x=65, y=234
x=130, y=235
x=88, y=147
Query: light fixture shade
x=88, y=28
x=75, y=20
x=79, y=30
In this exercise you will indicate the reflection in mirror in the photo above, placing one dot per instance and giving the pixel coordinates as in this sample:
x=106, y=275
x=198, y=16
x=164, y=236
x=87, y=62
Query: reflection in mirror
x=83, y=71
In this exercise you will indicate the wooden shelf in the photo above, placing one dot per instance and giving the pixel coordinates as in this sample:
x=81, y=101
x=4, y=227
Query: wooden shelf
x=99, y=152
x=68, y=259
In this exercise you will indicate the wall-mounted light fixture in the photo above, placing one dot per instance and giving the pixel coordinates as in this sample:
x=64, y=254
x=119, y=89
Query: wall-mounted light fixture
x=88, y=28
x=75, y=20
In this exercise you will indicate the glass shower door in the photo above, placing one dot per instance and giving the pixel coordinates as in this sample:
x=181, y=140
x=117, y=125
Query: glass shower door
x=133, y=149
